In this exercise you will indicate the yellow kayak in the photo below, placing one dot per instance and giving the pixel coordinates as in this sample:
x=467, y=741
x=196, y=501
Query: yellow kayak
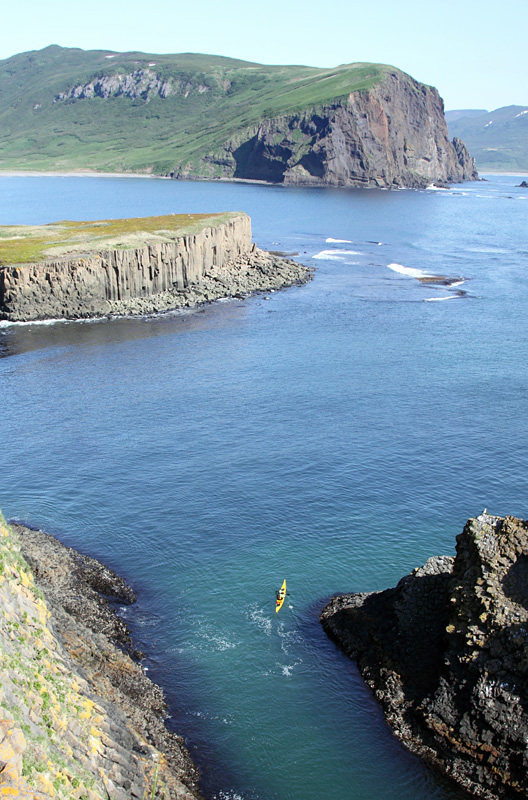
x=281, y=594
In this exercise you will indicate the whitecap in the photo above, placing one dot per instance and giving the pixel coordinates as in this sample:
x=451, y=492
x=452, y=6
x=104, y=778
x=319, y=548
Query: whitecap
x=438, y=299
x=327, y=255
x=336, y=255
x=259, y=618
x=338, y=241
x=287, y=669
x=410, y=271
x=6, y=322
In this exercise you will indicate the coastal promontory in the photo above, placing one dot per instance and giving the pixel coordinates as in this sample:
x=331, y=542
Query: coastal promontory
x=77, y=270
x=446, y=654
x=215, y=118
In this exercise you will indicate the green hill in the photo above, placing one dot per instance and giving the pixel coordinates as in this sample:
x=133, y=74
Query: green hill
x=201, y=116
x=135, y=127
x=498, y=139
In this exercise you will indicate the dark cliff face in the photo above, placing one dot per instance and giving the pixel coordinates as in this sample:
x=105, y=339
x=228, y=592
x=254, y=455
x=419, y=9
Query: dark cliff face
x=446, y=653
x=394, y=135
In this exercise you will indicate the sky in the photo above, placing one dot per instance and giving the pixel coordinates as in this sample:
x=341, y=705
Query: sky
x=473, y=51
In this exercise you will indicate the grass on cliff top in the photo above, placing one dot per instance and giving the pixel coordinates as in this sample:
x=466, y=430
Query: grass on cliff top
x=21, y=244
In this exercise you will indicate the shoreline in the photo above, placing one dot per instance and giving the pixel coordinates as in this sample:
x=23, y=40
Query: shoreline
x=129, y=749
x=252, y=273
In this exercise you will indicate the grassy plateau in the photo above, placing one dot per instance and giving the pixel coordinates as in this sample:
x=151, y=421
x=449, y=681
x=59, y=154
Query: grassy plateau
x=149, y=113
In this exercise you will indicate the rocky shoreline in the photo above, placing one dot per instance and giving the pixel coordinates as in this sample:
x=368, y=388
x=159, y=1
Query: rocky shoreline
x=79, y=717
x=257, y=271
x=446, y=654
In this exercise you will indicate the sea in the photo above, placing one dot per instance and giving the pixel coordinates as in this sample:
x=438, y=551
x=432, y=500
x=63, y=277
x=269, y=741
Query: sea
x=336, y=435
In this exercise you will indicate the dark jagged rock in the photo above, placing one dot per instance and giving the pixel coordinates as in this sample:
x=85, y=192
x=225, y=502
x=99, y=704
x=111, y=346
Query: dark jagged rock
x=446, y=653
x=523, y=185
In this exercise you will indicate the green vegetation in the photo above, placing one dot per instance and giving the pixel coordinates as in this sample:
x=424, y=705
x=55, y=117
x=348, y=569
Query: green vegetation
x=498, y=140
x=207, y=101
x=21, y=244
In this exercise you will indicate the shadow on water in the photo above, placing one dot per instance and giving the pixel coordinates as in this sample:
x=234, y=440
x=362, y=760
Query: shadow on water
x=20, y=338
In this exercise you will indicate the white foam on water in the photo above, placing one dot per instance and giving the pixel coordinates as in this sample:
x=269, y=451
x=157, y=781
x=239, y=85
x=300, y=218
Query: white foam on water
x=214, y=640
x=338, y=241
x=287, y=669
x=288, y=638
x=410, y=271
x=439, y=299
x=259, y=618
x=336, y=255
x=329, y=255
x=6, y=322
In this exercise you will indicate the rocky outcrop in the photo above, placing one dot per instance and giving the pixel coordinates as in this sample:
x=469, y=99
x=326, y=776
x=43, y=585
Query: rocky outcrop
x=215, y=262
x=142, y=84
x=446, y=653
x=257, y=271
x=78, y=716
x=394, y=135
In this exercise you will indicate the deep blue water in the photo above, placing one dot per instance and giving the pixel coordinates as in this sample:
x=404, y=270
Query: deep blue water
x=336, y=434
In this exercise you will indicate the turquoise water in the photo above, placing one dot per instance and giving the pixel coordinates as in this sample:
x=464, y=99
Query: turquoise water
x=336, y=434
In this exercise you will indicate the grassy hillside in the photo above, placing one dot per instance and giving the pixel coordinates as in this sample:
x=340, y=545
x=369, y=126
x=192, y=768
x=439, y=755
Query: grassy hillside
x=498, y=140
x=209, y=99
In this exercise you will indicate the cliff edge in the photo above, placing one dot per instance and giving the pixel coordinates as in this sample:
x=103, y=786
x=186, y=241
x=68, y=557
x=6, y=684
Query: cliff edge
x=446, y=654
x=77, y=270
x=78, y=716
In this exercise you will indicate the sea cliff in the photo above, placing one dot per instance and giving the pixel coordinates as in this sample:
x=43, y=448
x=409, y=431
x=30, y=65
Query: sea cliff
x=393, y=135
x=210, y=117
x=134, y=266
x=78, y=716
x=446, y=654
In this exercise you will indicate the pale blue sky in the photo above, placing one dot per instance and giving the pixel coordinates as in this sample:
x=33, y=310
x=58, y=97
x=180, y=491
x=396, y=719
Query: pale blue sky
x=473, y=51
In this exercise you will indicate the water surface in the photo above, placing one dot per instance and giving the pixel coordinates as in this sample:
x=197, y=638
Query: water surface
x=336, y=434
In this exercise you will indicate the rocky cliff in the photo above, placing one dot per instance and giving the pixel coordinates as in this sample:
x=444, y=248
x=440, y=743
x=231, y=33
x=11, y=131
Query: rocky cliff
x=163, y=273
x=88, y=283
x=202, y=116
x=393, y=135
x=78, y=716
x=446, y=653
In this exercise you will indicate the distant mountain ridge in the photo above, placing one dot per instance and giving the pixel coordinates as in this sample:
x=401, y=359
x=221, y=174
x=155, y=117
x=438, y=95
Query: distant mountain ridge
x=198, y=116
x=498, y=139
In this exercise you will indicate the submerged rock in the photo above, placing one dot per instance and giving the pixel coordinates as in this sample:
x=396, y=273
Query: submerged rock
x=446, y=653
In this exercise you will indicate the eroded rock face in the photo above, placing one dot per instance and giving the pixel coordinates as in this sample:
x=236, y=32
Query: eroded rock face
x=394, y=135
x=80, y=287
x=446, y=653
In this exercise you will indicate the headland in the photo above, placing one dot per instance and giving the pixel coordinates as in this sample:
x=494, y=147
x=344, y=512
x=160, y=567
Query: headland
x=79, y=270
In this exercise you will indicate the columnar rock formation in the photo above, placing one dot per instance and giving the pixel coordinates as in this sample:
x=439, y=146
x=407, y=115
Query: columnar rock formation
x=167, y=271
x=446, y=653
x=86, y=285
